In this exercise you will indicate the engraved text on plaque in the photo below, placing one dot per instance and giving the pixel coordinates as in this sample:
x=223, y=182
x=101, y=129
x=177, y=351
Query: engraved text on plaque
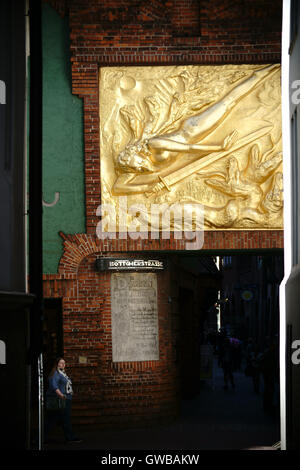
x=134, y=317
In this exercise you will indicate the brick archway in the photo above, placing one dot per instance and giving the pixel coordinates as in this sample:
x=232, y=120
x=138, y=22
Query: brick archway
x=78, y=246
x=100, y=35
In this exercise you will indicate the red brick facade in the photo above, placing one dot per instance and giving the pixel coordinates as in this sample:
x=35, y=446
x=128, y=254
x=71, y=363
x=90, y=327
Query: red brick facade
x=125, y=393
x=160, y=33
x=156, y=32
x=112, y=392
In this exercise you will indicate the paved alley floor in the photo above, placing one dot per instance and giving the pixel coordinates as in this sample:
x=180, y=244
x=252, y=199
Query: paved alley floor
x=216, y=419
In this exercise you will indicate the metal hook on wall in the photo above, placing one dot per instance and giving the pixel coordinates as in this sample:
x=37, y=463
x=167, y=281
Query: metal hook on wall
x=51, y=204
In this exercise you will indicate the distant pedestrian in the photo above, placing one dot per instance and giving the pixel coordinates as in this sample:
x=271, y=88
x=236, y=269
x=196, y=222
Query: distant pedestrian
x=255, y=362
x=227, y=361
x=249, y=349
x=237, y=353
x=269, y=368
x=220, y=341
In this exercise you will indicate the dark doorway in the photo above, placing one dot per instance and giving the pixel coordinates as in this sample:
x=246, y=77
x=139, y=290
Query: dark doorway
x=189, y=353
x=52, y=333
x=52, y=349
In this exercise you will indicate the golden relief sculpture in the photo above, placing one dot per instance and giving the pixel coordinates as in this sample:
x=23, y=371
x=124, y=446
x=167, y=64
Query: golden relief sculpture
x=209, y=135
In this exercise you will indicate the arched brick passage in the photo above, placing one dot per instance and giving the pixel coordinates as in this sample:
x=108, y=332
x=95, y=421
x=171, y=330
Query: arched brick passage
x=78, y=246
x=108, y=33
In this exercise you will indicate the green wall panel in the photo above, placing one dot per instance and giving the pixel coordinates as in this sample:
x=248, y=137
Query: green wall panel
x=63, y=150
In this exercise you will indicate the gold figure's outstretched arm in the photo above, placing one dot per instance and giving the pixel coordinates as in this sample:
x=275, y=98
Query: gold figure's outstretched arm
x=124, y=184
x=163, y=143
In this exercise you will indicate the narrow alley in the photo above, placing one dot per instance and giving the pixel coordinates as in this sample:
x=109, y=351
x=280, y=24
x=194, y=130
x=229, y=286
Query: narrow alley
x=216, y=419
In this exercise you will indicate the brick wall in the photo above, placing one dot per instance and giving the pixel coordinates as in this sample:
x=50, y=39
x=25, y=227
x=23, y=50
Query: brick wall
x=162, y=33
x=111, y=393
x=118, y=32
x=107, y=392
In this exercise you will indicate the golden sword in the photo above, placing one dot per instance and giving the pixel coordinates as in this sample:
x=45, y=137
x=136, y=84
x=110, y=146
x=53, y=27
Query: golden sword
x=193, y=167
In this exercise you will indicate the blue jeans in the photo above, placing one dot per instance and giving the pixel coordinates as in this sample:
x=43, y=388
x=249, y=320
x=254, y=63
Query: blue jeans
x=63, y=418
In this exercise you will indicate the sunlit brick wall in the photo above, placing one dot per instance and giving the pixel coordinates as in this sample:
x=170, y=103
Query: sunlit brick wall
x=116, y=32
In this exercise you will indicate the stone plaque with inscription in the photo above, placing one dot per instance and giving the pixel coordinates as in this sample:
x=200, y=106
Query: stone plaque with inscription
x=134, y=317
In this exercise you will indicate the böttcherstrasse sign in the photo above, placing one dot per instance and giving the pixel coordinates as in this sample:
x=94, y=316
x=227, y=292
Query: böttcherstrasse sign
x=121, y=264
